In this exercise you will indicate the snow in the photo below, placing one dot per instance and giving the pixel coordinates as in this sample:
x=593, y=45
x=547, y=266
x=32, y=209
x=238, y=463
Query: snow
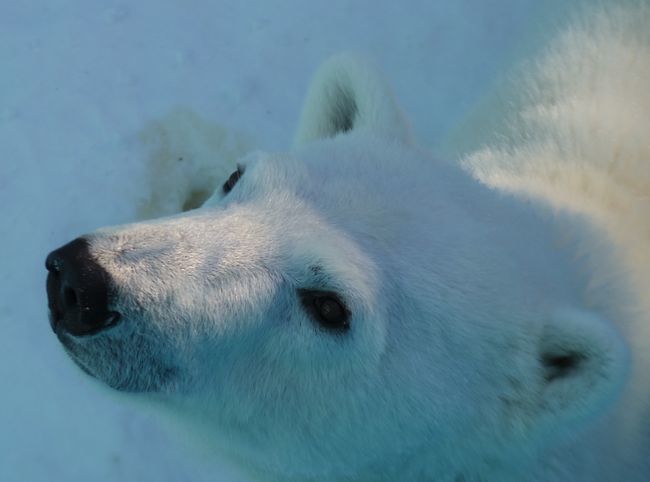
x=80, y=80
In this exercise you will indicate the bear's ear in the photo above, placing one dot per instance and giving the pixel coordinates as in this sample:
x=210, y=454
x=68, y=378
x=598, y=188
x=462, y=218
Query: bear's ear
x=583, y=364
x=347, y=95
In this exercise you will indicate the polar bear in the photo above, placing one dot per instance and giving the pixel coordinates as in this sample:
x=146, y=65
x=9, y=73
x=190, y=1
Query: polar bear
x=357, y=310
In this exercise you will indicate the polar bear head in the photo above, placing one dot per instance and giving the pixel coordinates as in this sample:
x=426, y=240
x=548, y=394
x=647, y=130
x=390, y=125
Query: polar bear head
x=352, y=309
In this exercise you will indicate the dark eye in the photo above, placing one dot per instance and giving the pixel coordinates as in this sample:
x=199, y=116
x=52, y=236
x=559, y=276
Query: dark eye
x=232, y=180
x=326, y=308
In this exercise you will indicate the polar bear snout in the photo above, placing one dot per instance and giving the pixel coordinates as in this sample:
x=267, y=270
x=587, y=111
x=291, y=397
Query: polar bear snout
x=78, y=291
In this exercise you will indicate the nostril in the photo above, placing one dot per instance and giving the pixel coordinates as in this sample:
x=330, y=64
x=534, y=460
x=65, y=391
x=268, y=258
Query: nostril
x=52, y=264
x=69, y=297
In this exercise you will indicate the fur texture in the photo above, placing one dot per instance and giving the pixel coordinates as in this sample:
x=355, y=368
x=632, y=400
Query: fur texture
x=572, y=132
x=485, y=342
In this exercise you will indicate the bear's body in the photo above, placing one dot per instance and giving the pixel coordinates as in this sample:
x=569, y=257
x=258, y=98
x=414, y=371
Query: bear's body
x=357, y=310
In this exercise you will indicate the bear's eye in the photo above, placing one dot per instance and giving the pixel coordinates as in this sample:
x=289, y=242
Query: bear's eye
x=232, y=180
x=326, y=308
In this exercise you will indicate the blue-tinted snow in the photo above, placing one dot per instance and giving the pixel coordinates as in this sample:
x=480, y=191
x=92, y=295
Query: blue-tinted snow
x=79, y=78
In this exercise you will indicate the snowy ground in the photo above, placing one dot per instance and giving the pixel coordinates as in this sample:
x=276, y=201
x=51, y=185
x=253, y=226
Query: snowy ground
x=81, y=78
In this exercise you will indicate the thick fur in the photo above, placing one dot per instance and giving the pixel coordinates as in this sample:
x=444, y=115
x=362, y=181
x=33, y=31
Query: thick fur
x=573, y=130
x=485, y=342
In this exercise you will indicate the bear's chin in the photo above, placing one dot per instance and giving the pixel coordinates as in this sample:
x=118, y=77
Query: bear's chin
x=108, y=362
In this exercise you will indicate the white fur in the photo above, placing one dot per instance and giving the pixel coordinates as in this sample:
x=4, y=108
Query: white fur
x=577, y=137
x=343, y=96
x=484, y=344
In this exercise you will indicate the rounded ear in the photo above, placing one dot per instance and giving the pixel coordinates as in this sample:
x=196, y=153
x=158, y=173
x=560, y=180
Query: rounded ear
x=347, y=95
x=583, y=362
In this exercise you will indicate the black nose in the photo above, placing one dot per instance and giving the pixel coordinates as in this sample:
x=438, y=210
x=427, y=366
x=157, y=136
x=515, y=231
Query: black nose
x=78, y=291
